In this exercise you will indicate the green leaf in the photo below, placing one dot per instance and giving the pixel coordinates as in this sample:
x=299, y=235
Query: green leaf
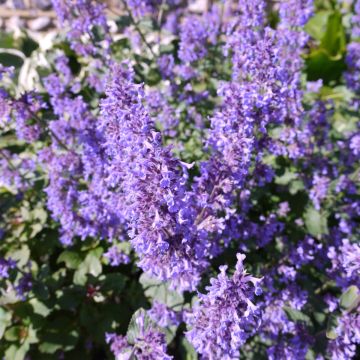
x=5, y=319
x=310, y=355
x=170, y=333
x=331, y=327
x=321, y=65
x=286, y=178
x=71, y=259
x=316, y=223
x=40, y=290
x=70, y=298
x=16, y=352
x=296, y=315
x=136, y=327
x=113, y=282
x=40, y=308
x=28, y=46
x=8, y=59
x=21, y=256
x=6, y=41
x=91, y=265
x=58, y=340
x=13, y=334
x=334, y=40
x=316, y=26
x=187, y=350
x=350, y=298
x=296, y=186
x=159, y=291
x=59, y=333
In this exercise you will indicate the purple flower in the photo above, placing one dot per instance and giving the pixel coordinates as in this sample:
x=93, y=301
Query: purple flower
x=152, y=183
x=82, y=16
x=116, y=257
x=149, y=343
x=355, y=144
x=350, y=258
x=284, y=208
x=319, y=190
x=118, y=344
x=24, y=285
x=197, y=33
x=166, y=65
x=5, y=266
x=348, y=337
x=163, y=316
x=225, y=316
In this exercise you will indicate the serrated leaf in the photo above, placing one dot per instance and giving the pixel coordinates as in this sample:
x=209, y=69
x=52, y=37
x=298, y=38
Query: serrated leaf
x=334, y=41
x=56, y=340
x=13, y=333
x=159, y=291
x=316, y=26
x=5, y=319
x=187, y=350
x=350, y=298
x=71, y=259
x=139, y=322
x=8, y=59
x=91, y=265
x=40, y=308
x=113, y=282
x=331, y=327
x=296, y=315
x=21, y=256
x=16, y=352
x=316, y=223
x=40, y=290
x=286, y=178
x=321, y=65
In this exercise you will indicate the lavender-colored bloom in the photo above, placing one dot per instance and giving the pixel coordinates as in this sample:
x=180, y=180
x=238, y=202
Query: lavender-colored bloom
x=118, y=344
x=24, y=285
x=295, y=348
x=225, y=316
x=15, y=171
x=116, y=257
x=5, y=266
x=356, y=20
x=355, y=144
x=352, y=75
x=82, y=16
x=163, y=316
x=314, y=86
x=305, y=251
x=75, y=155
x=348, y=337
x=6, y=71
x=319, y=190
x=284, y=208
x=149, y=344
x=166, y=65
x=25, y=111
x=350, y=258
x=152, y=182
x=5, y=108
x=197, y=33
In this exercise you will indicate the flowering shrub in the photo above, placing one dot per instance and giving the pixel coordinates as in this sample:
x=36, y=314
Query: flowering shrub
x=182, y=184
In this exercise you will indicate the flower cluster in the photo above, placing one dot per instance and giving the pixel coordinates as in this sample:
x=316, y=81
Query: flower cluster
x=225, y=316
x=161, y=138
x=147, y=344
